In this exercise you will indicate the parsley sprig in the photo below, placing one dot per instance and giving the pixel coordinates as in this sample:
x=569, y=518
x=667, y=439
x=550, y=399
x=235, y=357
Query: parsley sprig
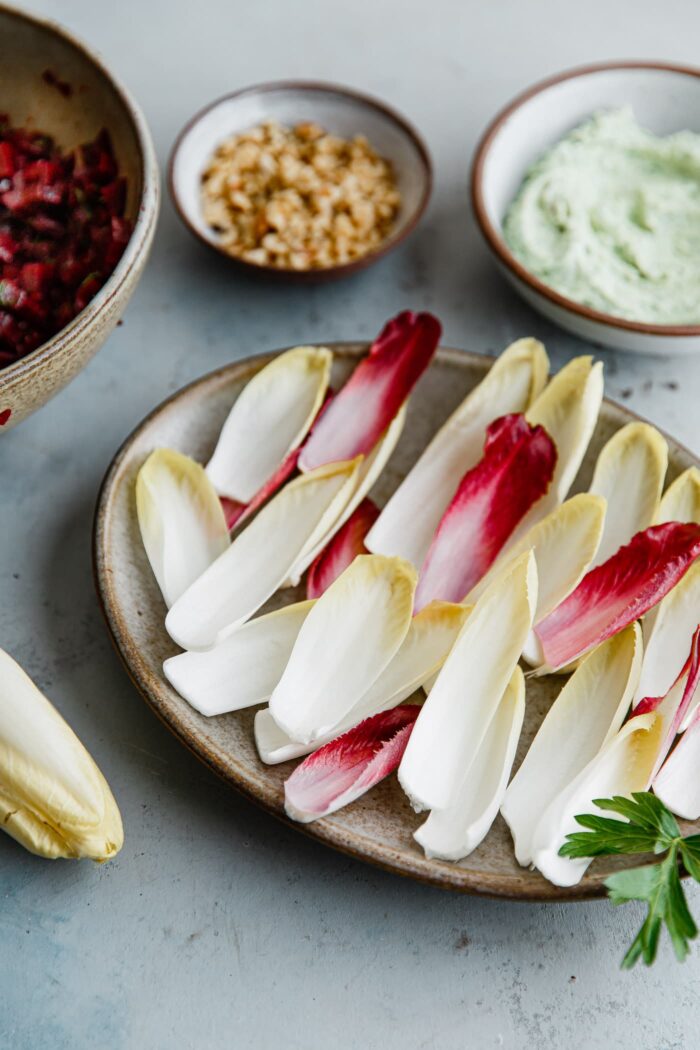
x=648, y=827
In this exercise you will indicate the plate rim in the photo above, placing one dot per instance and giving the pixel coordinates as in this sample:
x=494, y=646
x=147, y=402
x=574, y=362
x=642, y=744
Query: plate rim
x=348, y=842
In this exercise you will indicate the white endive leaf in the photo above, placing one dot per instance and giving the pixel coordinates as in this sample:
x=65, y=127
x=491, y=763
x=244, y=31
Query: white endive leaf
x=681, y=500
x=463, y=700
x=270, y=417
x=568, y=409
x=667, y=640
x=621, y=767
x=587, y=712
x=352, y=633
x=629, y=475
x=243, y=669
x=182, y=524
x=409, y=520
x=370, y=469
x=677, y=783
x=455, y=832
x=564, y=544
x=259, y=559
x=53, y=798
x=430, y=637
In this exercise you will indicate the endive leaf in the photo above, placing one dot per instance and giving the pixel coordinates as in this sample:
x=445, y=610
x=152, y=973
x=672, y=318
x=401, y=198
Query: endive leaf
x=53, y=798
x=269, y=419
x=370, y=469
x=681, y=500
x=568, y=410
x=408, y=521
x=463, y=700
x=259, y=559
x=365, y=406
x=242, y=670
x=181, y=520
x=32, y=831
x=677, y=783
x=237, y=513
x=430, y=637
x=673, y=707
x=629, y=475
x=455, y=832
x=621, y=590
x=349, y=637
x=588, y=711
x=621, y=767
x=492, y=498
x=343, y=770
x=667, y=644
x=564, y=544
x=341, y=551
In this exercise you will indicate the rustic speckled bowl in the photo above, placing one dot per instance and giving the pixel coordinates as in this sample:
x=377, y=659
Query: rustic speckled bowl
x=53, y=82
x=377, y=827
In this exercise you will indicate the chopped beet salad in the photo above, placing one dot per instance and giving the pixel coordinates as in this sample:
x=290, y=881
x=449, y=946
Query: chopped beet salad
x=62, y=232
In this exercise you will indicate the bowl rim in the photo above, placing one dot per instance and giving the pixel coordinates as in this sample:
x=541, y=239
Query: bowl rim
x=146, y=206
x=312, y=86
x=495, y=240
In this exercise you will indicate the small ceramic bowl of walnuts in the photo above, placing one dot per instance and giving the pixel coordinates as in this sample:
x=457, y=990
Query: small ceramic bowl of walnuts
x=306, y=181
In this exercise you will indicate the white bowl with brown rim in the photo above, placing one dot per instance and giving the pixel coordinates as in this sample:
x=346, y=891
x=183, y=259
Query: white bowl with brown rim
x=339, y=110
x=664, y=97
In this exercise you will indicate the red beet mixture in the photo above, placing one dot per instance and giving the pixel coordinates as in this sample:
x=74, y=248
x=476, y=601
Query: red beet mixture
x=62, y=232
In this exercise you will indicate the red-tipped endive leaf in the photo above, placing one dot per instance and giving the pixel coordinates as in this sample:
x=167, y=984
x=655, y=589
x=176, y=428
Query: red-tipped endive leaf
x=677, y=782
x=350, y=765
x=674, y=705
x=232, y=511
x=513, y=382
x=342, y=549
x=668, y=638
x=270, y=418
x=375, y=392
x=617, y=592
x=493, y=496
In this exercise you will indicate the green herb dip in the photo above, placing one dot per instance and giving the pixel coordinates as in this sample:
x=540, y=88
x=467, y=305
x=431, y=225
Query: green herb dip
x=610, y=217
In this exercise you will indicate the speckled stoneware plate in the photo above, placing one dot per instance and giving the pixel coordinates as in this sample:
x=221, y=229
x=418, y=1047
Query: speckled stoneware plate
x=378, y=827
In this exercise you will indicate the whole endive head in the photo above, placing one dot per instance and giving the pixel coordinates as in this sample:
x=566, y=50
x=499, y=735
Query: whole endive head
x=53, y=798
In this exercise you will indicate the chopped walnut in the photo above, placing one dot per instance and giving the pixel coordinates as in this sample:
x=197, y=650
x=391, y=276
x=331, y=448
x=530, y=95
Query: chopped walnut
x=298, y=198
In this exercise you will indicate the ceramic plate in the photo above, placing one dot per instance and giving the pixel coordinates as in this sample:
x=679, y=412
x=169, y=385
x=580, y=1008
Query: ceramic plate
x=378, y=827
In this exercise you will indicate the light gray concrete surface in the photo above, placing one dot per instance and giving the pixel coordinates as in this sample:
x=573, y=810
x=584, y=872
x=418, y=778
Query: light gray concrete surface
x=216, y=926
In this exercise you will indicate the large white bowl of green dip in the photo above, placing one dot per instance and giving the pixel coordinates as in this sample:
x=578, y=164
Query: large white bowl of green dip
x=587, y=190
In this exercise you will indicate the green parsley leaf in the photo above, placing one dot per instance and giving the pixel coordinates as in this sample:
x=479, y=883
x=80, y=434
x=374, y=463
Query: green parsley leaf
x=647, y=826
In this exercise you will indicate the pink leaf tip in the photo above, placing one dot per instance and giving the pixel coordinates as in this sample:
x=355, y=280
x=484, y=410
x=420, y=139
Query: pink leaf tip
x=347, y=767
x=691, y=672
x=619, y=591
x=370, y=399
x=491, y=499
x=342, y=549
